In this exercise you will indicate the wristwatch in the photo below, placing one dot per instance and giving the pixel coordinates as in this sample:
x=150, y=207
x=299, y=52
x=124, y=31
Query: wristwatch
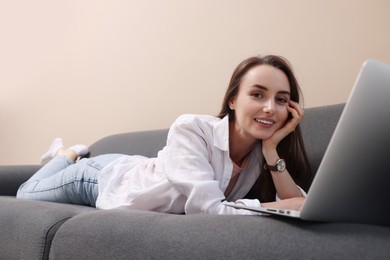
x=279, y=166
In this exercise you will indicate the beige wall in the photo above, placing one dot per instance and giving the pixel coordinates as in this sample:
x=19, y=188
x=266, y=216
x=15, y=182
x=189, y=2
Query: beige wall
x=85, y=69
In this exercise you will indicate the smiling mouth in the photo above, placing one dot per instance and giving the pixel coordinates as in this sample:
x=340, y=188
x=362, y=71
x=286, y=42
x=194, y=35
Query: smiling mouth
x=265, y=122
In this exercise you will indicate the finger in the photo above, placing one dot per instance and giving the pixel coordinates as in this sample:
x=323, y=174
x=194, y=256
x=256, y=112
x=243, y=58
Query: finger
x=297, y=107
x=296, y=110
x=294, y=114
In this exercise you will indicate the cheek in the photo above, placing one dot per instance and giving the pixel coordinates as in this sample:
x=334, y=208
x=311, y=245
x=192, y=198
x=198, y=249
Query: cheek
x=245, y=106
x=283, y=115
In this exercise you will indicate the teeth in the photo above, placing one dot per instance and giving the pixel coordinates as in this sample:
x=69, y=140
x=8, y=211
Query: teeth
x=264, y=122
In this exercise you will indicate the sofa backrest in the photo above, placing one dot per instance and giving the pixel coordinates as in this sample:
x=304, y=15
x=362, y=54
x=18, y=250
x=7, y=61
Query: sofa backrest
x=146, y=143
x=317, y=128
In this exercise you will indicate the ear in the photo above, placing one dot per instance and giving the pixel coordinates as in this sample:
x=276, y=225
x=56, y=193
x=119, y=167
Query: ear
x=232, y=103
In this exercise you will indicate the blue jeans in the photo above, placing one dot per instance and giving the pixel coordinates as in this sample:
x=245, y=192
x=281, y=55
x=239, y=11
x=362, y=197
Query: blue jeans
x=62, y=180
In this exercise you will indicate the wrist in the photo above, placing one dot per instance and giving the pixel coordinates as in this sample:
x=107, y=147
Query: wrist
x=268, y=145
x=277, y=167
x=270, y=155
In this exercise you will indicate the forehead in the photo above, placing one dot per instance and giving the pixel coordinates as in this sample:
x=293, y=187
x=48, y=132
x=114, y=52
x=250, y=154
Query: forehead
x=267, y=76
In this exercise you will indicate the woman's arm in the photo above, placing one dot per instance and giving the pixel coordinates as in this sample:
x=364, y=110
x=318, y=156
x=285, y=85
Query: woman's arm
x=285, y=186
x=292, y=203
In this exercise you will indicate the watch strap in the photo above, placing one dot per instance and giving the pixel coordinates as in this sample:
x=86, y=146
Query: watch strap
x=280, y=166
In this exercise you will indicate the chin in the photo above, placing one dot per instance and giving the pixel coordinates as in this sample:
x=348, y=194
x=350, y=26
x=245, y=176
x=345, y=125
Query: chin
x=264, y=136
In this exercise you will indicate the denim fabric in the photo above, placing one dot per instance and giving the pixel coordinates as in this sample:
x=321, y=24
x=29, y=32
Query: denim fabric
x=63, y=181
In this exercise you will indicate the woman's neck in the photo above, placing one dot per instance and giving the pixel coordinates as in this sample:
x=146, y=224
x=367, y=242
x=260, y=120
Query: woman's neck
x=239, y=146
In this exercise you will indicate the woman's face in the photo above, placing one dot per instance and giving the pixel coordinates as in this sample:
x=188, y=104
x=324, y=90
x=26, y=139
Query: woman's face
x=260, y=105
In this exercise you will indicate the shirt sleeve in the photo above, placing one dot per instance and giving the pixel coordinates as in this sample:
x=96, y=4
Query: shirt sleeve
x=189, y=170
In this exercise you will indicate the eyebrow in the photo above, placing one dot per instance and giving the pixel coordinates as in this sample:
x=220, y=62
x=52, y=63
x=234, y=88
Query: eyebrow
x=266, y=89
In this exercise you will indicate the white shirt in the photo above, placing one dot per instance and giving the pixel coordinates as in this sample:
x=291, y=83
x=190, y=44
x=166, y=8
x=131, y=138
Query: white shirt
x=189, y=175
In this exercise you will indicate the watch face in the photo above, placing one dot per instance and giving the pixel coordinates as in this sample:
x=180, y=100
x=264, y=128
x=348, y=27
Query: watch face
x=281, y=165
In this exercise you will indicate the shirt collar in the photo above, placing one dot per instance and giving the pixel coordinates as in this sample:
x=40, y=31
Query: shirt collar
x=221, y=134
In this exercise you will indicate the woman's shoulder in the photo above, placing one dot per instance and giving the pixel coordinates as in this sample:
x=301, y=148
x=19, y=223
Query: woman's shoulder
x=195, y=123
x=202, y=128
x=196, y=119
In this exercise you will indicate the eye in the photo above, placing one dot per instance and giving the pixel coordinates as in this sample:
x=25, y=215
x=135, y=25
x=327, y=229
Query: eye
x=257, y=94
x=282, y=100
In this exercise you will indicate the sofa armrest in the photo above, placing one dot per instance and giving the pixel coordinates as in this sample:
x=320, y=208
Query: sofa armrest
x=12, y=176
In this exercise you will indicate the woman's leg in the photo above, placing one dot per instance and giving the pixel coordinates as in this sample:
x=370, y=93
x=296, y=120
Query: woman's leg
x=56, y=145
x=63, y=180
x=74, y=183
x=51, y=165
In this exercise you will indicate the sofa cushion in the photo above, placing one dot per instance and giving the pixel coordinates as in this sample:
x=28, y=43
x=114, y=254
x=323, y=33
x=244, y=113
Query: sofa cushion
x=124, y=234
x=12, y=176
x=146, y=143
x=317, y=127
x=27, y=227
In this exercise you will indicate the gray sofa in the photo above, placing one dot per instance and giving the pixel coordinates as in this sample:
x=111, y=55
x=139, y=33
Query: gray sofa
x=42, y=230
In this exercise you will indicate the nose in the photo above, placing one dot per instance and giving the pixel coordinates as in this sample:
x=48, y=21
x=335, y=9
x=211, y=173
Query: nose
x=269, y=106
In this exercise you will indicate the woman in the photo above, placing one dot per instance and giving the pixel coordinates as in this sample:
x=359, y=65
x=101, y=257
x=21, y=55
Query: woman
x=251, y=152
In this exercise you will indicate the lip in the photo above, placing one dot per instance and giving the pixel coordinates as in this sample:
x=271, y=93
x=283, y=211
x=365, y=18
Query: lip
x=265, y=122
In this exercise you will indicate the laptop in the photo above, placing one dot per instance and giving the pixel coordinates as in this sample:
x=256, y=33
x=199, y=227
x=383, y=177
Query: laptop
x=352, y=183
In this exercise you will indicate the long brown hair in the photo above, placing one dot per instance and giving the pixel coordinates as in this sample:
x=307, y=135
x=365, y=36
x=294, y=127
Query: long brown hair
x=291, y=148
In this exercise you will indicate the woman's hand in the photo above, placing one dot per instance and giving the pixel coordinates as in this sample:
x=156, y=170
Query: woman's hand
x=284, y=184
x=295, y=203
x=297, y=114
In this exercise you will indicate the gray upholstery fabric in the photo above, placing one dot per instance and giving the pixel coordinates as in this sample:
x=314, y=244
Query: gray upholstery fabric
x=28, y=227
x=12, y=176
x=121, y=234
x=146, y=143
x=318, y=126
